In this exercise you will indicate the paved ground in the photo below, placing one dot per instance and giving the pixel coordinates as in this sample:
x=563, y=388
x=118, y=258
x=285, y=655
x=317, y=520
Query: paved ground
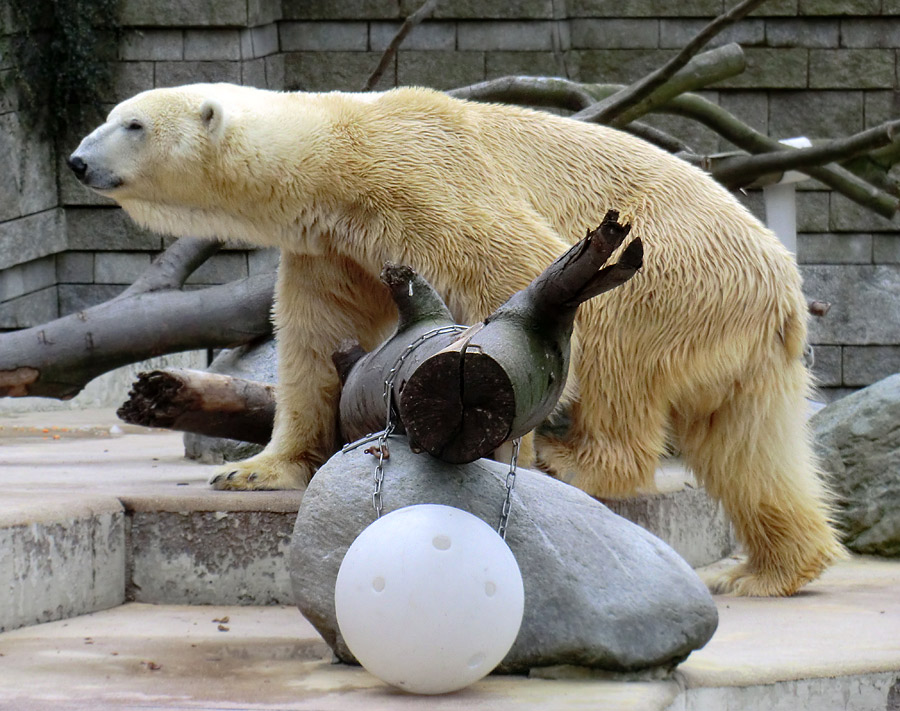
x=187, y=657
x=51, y=455
x=834, y=646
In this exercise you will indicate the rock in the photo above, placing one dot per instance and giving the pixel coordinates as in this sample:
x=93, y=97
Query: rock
x=254, y=361
x=858, y=441
x=599, y=590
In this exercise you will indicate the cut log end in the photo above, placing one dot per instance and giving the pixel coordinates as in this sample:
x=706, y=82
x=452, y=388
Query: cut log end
x=18, y=382
x=454, y=423
x=206, y=403
x=154, y=400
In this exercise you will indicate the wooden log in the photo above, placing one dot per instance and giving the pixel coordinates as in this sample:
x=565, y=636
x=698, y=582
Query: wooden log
x=421, y=312
x=459, y=396
x=205, y=403
x=59, y=358
x=502, y=378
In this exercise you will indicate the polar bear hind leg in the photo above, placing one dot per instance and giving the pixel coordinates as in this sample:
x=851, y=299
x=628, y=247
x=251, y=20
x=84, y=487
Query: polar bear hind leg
x=753, y=454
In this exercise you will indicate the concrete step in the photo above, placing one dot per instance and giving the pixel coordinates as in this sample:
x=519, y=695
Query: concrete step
x=96, y=513
x=834, y=648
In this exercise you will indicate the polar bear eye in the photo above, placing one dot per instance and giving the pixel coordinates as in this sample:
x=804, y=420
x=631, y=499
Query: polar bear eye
x=134, y=125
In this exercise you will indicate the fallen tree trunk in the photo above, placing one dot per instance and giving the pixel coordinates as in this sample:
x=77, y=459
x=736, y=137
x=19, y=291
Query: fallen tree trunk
x=152, y=317
x=459, y=396
x=205, y=403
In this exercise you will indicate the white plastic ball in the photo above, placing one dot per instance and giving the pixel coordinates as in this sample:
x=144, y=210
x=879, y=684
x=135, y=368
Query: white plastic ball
x=429, y=598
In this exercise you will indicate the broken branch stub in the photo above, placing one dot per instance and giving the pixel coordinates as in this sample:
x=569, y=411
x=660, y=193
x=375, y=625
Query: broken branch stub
x=420, y=312
x=502, y=378
x=206, y=403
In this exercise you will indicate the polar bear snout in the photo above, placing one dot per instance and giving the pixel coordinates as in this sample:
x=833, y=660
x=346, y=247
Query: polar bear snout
x=96, y=177
x=78, y=166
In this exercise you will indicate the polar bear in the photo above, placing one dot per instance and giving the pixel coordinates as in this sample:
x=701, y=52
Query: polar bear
x=703, y=347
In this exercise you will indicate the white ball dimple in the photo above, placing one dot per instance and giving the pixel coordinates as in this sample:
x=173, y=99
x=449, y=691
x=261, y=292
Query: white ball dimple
x=454, y=604
x=442, y=543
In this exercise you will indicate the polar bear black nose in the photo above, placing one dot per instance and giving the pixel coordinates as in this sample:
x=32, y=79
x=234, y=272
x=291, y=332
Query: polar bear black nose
x=78, y=166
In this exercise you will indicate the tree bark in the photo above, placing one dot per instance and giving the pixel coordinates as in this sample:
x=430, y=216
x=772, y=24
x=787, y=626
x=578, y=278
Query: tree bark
x=205, y=403
x=460, y=396
x=58, y=359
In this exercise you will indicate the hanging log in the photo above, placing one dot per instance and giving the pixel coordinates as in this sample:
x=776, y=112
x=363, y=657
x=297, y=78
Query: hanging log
x=420, y=312
x=205, y=403
x=460, y=396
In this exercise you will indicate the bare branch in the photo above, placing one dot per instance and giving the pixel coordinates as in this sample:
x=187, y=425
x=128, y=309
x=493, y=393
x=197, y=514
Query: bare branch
x=653, y=135
x=551, y=92
x=874, y=173
x=172, y=268
x=704, y=69
x=607, y=111
x=735, y=171
x=749, y=139
x=409, y=23
x=58, y=359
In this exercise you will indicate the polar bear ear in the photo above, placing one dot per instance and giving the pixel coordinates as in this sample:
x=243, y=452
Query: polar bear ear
x=213, y=116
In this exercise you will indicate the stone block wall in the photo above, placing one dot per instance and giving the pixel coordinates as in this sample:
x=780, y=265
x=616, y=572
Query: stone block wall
x=820, y=68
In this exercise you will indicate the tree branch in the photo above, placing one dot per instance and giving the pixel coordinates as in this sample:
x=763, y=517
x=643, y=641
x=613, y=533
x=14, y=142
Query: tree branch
x=743, y=136
x=736, y=171
x=657, y=137
x=205, y=403
x=172, y=268
x=551, y=92
x=703, y=70
x=610, y=109
x=423, y=13
x=58, y=359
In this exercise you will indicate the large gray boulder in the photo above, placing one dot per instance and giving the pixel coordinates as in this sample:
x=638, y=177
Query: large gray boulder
x=858, y=441
x=599, y=590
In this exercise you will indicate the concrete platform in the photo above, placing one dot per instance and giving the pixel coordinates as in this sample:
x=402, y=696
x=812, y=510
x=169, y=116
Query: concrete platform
x=116, y=513
x=101, y=518
x=837, y=646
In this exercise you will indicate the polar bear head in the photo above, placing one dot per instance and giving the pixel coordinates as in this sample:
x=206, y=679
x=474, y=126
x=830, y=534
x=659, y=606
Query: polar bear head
x=151, y=139
x=203, y=159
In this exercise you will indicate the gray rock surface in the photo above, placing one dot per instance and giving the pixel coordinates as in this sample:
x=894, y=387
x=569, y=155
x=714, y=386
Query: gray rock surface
x=254, y=361
x=858, y=442
x=599, y=590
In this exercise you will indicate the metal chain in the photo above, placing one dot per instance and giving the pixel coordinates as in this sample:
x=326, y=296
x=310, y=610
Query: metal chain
x=510, y=485
x=381, y=450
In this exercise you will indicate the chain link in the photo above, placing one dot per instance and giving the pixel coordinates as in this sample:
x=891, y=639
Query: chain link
x=510, y=485
x=381, y=449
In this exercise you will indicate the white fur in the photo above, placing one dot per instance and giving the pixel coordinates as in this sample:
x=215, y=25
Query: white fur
x=703, y=345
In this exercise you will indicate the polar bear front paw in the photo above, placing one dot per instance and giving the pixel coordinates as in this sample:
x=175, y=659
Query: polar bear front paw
x=262, y=472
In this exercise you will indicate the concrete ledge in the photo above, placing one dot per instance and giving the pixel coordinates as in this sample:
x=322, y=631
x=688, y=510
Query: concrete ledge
x=60, y=558
x=210, y=557
x=181, y=542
